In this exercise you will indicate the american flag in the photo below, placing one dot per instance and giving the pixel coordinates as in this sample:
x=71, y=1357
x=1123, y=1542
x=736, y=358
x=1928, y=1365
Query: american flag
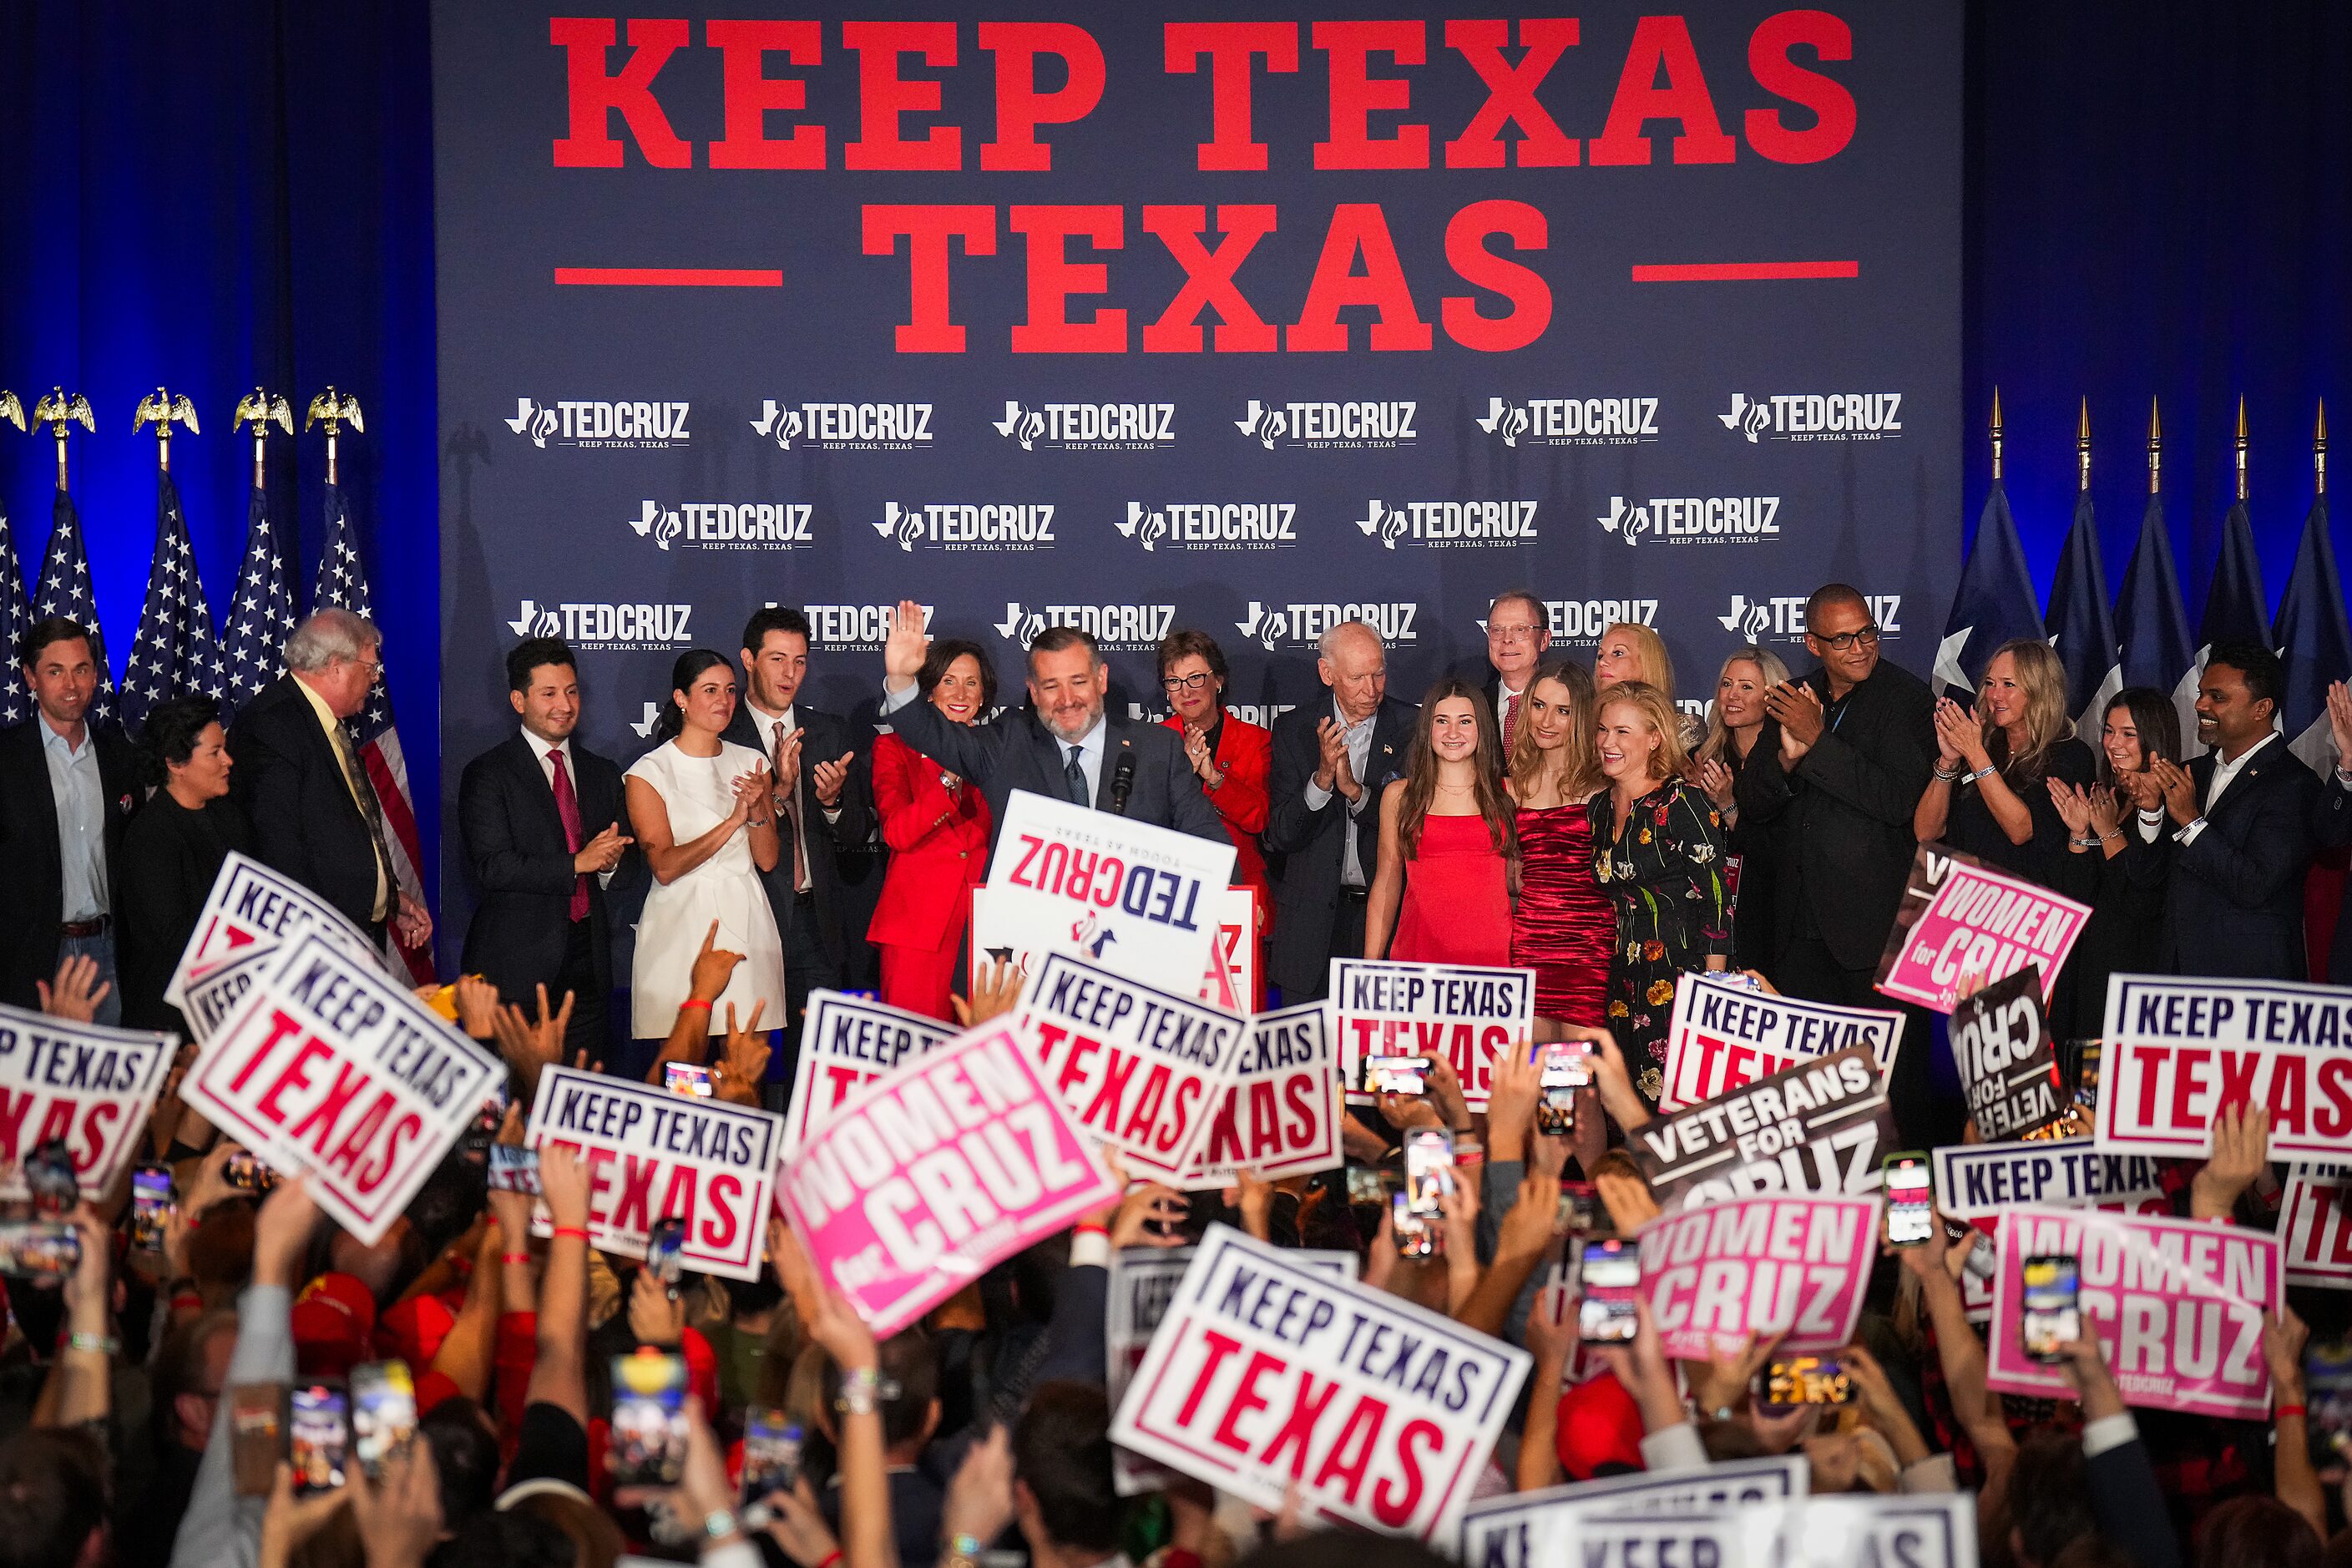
x=261, y=615
x=65, y=591
x=174, y=653
x=341, y=584
x=15, y=617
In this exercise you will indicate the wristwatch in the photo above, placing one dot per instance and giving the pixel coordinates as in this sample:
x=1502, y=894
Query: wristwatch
x=719, y=1523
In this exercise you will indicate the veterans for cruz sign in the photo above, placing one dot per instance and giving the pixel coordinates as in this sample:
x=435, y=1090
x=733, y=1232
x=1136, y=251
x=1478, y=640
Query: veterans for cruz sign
x=2006, y=1062
x=327, y=1066
x=1463, y=1013
x=1822, y=1126
x=1725, y=1035
x=653, y=1156
x=1267, y=1373
x=2179, y=1050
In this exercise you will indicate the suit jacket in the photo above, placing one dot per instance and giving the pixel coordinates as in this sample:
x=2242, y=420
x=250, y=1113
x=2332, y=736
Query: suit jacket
x=1842, y=817
x=826, y=737
x=292, y=787
x=2331, y=827
x=1245, y=754
x=31, y=872
x=1016, y=752
x=939, y=849
x=171, y=856
x=520, y=865
x=1306, y=846
x=2233, y=898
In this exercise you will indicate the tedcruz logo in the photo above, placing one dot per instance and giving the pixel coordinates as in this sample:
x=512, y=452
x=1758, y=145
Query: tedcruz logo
x=718, y=525
x=1695, y=520
x=847, y=427
x=1330, y=425
x=1089, y=427
x=1782, y=617
x=1130, y=626
x=1816, y=417
x=1581, y=621
x=1449, y=523
x=645, y=726
x=959, y=526
x=853, y=626
x=1572, y=421
x=1298, y=625
x=1211, y=525
x=606, y=626
x=573, y=422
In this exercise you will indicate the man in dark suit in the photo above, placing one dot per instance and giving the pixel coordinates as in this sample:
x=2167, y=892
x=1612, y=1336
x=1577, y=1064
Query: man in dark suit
x=824, y=775
x=1323, y=819
x=1518, y=630
x=540, y=818
x=66, y=788
x=1839, y=766
x=299, y=775
x=2331, y=824
x=1066, y=744
x=2242, y=815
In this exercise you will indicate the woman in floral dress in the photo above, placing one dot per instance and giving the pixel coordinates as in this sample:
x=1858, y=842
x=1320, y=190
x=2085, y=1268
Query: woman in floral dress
x=1660, y=862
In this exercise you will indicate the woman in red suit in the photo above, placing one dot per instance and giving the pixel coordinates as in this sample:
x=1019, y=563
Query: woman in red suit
x=937, y=828
x=1231, y=757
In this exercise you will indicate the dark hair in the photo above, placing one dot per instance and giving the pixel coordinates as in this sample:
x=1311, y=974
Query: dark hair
x=45, y=631
x=1524, y=596
x=1186, y=643
x=2050, y=1496
x=909, y=1364
x=759, y=1295
x=2256, y=1531
x=513, y=1538
x=52, y=1497
x=2258, y=664
x=682, y=676
x=1054, y=639
x=944, y=652
x=466, y=1456
x=170, y=735
x=1345, y=1548
x=1421, y=778
x=1061, y=1451
x=1830, y=593
x=2156, y=719
x=531, y=653
x=773, y=618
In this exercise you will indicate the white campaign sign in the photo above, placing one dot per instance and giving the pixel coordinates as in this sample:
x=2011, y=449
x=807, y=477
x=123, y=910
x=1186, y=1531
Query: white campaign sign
x=1725, y=1035
x=1280, y=1116
x=1524, y=1529
x=327, y=1066
x=85, y=1083
x=1853, y=1530
x=1133, y=898
x=1463, y=1013
x=212, y=995
x=847, y=1041
x=1978, y=1181
x=2315, y=1227
x=251, y=904
x=1231, y=979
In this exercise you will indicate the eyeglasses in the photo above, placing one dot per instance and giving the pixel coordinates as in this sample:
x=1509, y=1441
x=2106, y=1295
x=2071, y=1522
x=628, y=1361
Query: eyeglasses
x=1522, y=633
x=1186, y=682
x=1867, y=636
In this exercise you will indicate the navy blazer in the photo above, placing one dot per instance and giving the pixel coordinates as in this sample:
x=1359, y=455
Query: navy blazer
x=521, y=865
x=1306, y=846
x=2331, y=827
x=824, y=738
x=2234, y=897
x=292, y=787
x=32, y=869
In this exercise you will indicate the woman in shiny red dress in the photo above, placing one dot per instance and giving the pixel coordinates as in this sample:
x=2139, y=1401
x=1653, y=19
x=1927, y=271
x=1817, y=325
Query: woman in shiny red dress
x=1230, y=756
x=1564, y=925
x=937, y=826
x=1449, y=859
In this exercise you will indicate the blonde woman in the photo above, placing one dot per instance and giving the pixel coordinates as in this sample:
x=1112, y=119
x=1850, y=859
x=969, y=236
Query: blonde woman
x=1562, y=926
x=1630, y=652
x=1731, y=733
x=1990, y=794
x=1660, y=864
x=1449, y=856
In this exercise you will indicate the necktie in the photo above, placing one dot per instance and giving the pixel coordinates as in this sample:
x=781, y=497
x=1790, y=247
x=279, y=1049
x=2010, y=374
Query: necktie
x=1510, y=719
x=371, y=812
x=1073, y=775
x=567, y=806
x=792, y=812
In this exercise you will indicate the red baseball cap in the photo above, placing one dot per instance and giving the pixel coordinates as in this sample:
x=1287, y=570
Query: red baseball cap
x=1599, y=1423
x=332, y=1322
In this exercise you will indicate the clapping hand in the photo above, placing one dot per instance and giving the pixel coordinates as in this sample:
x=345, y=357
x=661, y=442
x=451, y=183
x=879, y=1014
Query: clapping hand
x=603, y=852
x=1959, y=739
x=1798, y=709
x=2340, y=721
x=750, y=792
x=1717, y=780
x=2073, y=804
x=828, y=777
x=2177, y=790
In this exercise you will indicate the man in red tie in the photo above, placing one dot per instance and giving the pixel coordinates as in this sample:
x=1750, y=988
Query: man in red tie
x=541, y=823
x=1517, y=632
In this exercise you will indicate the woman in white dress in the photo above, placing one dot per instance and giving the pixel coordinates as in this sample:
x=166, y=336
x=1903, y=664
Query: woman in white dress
x=702, y=813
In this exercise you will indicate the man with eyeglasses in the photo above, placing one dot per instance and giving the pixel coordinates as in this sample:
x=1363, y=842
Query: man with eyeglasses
x=299, y=775
x=1518, y=633
x=1837, y=771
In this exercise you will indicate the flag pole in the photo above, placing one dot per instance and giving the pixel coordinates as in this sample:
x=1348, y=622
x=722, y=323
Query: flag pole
x=333, y=410
x=163, y=408
x=260, y=407
x=2241, y=446
x=2155, y=448
x=1996, y=435
x=2083, y=448
x=2319, y=450
x=59, y=411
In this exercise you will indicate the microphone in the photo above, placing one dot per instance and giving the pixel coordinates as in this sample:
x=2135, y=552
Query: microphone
x=1122, y=779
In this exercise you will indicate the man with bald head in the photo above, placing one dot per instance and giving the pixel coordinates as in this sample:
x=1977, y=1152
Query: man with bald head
x=1322, y=829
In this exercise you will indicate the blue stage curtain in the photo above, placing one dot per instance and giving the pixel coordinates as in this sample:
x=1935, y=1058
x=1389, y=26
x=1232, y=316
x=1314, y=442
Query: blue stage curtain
x=211, y=197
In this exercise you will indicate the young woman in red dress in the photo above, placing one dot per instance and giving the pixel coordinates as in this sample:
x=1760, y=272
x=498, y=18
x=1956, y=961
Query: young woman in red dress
x=1449, y=859
x=937, y=828
x=1230, y=756
x=1564, y=925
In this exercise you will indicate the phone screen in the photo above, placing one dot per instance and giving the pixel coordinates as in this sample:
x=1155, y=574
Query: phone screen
x=513, y=1169
x=1396, y=1075
x=383, y=1411
x=1567, y=1067
x=2053, y=1315
x=320, y=1428
x=1416, y=1235
x=661, y=1245
x=648, y=1440
x=2086, y=1076
x=38, y=1248
x=151, y=1205
x=245, y=1173
x=1363, y=1184
x=772, y=1453
x=49, y=1177
x=1428, y=1169
x=1807, y=1380
x=685, y=1077
x=1612, y=1282
x=1910, y=1199
x=256, y=1436
x=1580, y=1210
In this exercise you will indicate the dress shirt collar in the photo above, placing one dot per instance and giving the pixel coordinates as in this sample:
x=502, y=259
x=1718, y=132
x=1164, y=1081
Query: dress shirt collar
x=53, y=741
x=540, y=745
x=1356, y=726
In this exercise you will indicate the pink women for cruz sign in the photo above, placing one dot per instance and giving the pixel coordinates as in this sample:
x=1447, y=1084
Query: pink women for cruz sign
x=1797, y=1265
x=2177, y=1304
x=924, y=1179
x=1960, y=918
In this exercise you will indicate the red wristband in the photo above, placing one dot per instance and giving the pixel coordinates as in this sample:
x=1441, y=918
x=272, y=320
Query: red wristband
x=563, y=1230
x=1082, y=1227
x=694, y=1002
x=2283, y=1411
x=831, y=1558
x=514, y=1256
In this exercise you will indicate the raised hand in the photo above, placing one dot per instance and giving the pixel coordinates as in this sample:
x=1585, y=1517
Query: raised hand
x=2242, y=1147
x=738, y=1074
x=478, y=1006
x=77, y=991
x=2340, y=721
x=904, y=650
x=712, y=966
x=563, y=1185
x=995, y=991
x=531, y=1045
